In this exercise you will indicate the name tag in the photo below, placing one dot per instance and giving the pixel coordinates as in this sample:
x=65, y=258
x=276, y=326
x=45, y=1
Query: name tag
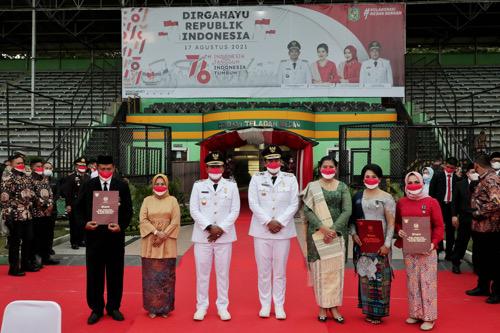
x=204, y=192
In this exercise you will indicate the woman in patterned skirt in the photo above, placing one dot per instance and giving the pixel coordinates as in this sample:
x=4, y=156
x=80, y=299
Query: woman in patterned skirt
x=421, y=269
x=374, y=269
x=159, y=227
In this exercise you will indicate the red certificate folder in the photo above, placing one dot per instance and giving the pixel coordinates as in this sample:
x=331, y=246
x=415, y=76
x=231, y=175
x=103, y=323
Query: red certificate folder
x=418, y=231
x=371, y=234
x=105, y=207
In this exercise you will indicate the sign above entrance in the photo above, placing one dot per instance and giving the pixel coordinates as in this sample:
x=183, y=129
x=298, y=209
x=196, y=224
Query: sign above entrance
x=264, y=51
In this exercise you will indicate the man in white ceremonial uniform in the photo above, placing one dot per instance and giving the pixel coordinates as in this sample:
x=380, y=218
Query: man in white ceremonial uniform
x=375, y=71
x=214, y=207
x=294, y=71
x=273, y=199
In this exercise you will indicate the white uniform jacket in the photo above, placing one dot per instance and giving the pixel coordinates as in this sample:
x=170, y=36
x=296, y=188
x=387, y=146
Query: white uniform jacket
x=220, y=208
x=301, y=74
x=278, y=201
x=379, y=74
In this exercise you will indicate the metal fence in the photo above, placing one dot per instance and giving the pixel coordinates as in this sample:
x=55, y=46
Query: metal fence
x=403, y=147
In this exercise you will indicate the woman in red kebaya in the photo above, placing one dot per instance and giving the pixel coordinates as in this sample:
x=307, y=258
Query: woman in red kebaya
x=324, y=70
x=349, y=69
x=421, y=269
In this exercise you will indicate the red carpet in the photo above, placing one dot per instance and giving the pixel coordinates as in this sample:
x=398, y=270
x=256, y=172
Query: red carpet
x=66, y=285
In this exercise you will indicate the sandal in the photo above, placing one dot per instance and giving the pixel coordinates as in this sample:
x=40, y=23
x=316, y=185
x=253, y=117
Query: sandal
x=152, y=315
x=373, y=321
x=339, y=319
x=322, y=318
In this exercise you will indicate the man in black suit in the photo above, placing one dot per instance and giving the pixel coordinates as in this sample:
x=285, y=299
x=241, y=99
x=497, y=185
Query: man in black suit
x=105, y=249
x=462, y=215
x=441, y=189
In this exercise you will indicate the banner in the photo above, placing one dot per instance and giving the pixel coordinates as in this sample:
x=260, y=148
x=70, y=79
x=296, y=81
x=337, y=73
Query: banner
x=264, y=51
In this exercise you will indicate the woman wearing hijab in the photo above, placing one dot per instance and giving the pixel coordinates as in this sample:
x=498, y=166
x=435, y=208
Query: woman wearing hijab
x=427, y=174
x=374, y=269
x=327, y=207
x=421, y=269
x=349, y=69
x=159, y=227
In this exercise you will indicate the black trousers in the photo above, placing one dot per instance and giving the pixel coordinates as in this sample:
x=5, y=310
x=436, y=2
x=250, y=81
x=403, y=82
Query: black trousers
x=20, y=235
x=448, y=227
x=43, y=236
x=487, y=260
x=76, y=230
x=463, y=237
x=105, y=261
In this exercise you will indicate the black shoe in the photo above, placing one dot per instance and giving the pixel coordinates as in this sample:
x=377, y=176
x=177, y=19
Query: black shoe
x=50, y=261
x=52, y=252
x=456, y=269
x=322, y=318
x=447, y=257
x=81, y=244
x=493, y=299
x=93, y=318
x=74, y=247
x=32, y=268
x=477, y=292
x=13, y=272
x=116, y=315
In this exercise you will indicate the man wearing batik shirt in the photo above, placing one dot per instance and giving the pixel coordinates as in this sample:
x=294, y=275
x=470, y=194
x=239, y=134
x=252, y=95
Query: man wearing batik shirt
x=42, y=213
x=486, y=231
x=16, y=197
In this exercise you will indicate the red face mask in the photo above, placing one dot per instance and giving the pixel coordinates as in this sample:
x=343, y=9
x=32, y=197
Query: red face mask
x=414, y=187
x=105, y=174
x=81, y=169
x=159, y=188
x=273, y=165
x=215, y=170
x=371, y=181
x=39, y=170
x=328, y=171
x=450, y=170
x=20, y=167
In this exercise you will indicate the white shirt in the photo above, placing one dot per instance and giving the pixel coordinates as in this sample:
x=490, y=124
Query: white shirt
x=108, y=183
x=268, y=201
x=301, y=74
x=448, y=189
x=219, y=207
x=375, y=72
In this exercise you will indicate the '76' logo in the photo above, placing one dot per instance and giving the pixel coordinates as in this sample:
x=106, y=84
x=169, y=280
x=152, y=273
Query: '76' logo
x=202, y=75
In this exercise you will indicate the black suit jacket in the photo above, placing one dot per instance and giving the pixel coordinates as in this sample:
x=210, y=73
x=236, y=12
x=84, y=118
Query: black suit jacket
x=437, y=187
x=69, y=187
x=462, y=199
x=102, y=235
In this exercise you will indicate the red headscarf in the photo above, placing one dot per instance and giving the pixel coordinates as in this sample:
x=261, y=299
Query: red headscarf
x=354, y=52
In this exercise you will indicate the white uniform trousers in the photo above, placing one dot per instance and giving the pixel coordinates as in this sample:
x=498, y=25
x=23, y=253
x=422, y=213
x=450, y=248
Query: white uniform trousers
x=271, y=256
x=204, y=254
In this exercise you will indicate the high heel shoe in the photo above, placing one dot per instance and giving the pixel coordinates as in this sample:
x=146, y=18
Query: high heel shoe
x=322, y=318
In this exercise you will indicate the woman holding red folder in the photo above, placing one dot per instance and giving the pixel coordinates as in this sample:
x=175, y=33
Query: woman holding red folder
x=373, y=268
x=421, y=269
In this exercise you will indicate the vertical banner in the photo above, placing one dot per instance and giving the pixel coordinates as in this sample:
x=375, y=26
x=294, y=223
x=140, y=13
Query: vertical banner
x=264, y=51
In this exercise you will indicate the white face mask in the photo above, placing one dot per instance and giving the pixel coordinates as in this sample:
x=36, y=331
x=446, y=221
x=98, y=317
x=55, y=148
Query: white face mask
x=426, y=176
x=215, y=176
x=273, y=171
x=495, y=165
x=330, y=176
x=47, y=173
x=94, y=174
x=371, y=187
x=415, y=192
x=160, y=193
x=474, y=176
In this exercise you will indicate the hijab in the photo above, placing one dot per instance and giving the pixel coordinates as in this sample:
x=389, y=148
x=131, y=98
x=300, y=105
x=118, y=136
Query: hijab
x=421, y=194
x=165, y=179
x=354, y=53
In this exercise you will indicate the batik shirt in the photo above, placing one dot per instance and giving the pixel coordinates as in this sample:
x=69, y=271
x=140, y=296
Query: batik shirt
x=43, y=195
x=486, y=202
x=16, y=196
